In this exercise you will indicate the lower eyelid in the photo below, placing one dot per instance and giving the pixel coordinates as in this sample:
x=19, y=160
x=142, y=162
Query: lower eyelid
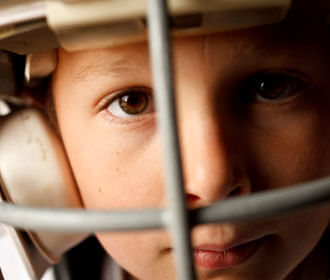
x=135, y=122
x=288, y=104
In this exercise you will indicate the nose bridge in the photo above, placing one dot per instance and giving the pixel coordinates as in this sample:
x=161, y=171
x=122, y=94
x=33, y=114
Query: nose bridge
x=208, y=170
x=210, y=162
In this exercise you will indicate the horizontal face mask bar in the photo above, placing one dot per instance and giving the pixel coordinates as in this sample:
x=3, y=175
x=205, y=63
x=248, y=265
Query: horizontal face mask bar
x=262, y=205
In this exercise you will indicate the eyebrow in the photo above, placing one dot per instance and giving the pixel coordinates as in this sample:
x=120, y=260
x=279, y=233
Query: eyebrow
x=109, y=66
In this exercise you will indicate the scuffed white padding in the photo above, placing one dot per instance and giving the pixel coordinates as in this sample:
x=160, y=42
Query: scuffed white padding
x=35, y=172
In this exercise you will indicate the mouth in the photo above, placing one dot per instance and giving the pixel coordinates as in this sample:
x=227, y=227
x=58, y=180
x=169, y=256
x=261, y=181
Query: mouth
x=213, y=257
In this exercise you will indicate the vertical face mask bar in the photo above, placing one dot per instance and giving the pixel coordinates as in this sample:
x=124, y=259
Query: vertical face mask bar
x=159, y=43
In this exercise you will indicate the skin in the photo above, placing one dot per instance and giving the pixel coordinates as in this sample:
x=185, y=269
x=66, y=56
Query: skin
x=230, y=147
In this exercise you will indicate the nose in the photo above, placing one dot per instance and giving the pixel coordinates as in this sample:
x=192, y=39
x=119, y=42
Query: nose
x=212, y=170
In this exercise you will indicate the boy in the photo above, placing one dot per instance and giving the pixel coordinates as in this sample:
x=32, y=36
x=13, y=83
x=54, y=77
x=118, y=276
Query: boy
x=253, y=115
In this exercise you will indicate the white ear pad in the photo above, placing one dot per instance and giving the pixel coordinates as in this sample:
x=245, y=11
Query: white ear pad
x=35, y=171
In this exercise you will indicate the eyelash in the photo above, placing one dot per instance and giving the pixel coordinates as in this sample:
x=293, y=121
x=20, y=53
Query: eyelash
x=136, y=93
x=288, y=84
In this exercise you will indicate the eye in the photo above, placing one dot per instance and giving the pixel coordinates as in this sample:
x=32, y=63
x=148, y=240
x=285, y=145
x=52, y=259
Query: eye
x=271, y=87
x=131, y=103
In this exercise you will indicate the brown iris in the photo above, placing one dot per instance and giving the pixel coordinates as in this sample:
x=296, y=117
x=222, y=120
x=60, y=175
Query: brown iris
x=134, y=102
x=274, y=87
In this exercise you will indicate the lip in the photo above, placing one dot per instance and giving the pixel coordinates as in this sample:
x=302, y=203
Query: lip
x=213, y=257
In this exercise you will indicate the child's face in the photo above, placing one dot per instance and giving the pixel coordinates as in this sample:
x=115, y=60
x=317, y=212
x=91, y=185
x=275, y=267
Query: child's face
x=253, y=113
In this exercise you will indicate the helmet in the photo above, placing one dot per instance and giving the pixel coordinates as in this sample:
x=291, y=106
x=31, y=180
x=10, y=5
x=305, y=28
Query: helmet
x=30, y=32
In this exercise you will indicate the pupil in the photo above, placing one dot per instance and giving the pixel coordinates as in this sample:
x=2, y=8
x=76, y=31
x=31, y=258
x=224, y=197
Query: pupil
x=134, y=103
x=272, y=88
x=132, y=100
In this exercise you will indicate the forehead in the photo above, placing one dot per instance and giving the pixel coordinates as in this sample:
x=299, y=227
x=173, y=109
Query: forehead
x=293, y=37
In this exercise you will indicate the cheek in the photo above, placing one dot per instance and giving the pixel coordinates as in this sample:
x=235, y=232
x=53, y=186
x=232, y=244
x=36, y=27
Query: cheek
x=136, y=251
x=294, y=237
x=113, y=167
x=113, y=177
x=120, y=170
x=288, y=149
x=302, y=238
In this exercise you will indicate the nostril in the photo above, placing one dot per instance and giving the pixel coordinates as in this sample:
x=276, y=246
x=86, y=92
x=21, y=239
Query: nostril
x=236, y=191
x=192, y=198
